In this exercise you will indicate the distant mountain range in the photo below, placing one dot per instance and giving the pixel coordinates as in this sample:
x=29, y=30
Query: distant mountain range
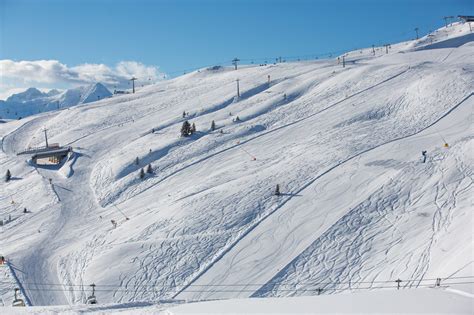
x=33, y=101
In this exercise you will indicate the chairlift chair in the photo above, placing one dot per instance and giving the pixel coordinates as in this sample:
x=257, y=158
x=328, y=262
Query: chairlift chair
x=91, y=299
x=17, y=301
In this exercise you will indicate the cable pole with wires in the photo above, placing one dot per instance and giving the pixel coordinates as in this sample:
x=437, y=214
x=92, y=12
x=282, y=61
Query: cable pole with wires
x=133, y=79
x=446, y=19
x=234, y=62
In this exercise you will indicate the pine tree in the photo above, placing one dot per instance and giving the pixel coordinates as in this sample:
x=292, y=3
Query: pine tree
x=193, y=128
x=213, y=125
x=149, y=169
x=237, y=118
x=184, y=114
x=8, y=176
x=277, y=190
x=142, y=173
x=137, y=161
x=185, y=129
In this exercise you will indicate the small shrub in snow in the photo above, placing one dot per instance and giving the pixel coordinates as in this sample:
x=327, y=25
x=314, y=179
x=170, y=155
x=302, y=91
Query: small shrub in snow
x=149, y=169
x=8, y=176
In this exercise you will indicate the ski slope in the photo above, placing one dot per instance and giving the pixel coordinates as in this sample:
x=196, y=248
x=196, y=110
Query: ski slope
x=421, y=301
x=358, y=206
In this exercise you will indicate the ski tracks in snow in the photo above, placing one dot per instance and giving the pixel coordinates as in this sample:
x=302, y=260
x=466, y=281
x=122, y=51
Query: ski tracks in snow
x=347, y=222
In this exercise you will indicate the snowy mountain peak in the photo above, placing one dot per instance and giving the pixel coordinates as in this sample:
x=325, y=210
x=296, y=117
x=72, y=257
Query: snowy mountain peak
x=33, y=101
x=53, y=92
x=95, y=92
x=28, y=95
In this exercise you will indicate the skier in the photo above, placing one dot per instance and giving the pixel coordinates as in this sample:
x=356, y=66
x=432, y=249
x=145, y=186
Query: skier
x=423, y=153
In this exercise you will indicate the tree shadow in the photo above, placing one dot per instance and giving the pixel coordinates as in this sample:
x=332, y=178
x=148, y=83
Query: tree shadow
x=63, y=187
x=290, y=195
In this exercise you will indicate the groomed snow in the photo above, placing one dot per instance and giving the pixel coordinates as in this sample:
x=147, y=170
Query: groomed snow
x=421, y=301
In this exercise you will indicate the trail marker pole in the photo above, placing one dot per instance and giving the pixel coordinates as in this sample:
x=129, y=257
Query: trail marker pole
x=238, y=89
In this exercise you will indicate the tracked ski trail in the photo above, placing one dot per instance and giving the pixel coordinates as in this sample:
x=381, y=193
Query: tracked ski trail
x=265, y=133
x=206, y=199
x=236, y=265
x=404, y=213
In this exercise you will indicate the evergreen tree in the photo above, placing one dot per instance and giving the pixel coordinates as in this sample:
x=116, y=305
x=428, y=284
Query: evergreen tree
x=184, y=114
x=142, y=173
x=137, y=161
x=8, y=176
x=149, y=169
x=237, y=118
x=193, y=128
x=277, y=190
x=213, y=125
x=185, y=129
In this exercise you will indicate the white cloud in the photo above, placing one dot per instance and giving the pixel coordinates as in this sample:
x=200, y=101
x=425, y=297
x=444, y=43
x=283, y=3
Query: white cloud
x=16, y=75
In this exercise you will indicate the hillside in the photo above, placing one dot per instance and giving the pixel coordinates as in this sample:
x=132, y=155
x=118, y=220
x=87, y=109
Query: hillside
x=422, y=301
x=358, y=208
x=33, y=101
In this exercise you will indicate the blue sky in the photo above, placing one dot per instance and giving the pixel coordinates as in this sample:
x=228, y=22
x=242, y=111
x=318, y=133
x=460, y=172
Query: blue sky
x=184, y=34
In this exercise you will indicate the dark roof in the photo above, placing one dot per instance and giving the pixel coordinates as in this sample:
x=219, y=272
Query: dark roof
x=52, y=152
x=467, y=18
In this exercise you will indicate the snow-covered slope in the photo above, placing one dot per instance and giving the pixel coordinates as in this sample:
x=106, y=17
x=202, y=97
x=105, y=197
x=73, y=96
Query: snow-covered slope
x=33, y=101
x=358, y=207
x=422, y=301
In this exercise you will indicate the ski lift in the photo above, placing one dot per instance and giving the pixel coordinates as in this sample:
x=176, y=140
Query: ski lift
x=17, y=301
x=92, y=299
